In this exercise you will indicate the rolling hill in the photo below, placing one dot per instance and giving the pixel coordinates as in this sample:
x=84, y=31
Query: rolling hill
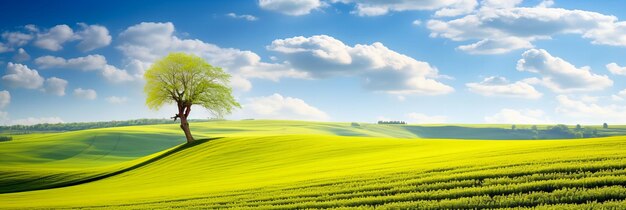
x=295, y=165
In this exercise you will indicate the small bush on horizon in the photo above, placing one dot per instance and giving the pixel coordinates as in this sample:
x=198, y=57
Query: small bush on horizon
x=5, y=138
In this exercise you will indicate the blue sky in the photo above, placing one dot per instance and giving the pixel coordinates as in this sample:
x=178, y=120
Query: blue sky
x=458, y=61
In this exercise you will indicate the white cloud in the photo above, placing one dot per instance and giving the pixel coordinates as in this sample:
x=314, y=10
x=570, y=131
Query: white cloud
x=34, y=121
x=21, y=55
x=616, y=69
x=278, y=107
x=499, y=25
x=146, y=42
x=86, y=63
x=20, y=76
x=240, y=84
x=116, y=100
x=590, y=112
x=444, y=8
x=92, y=37
x=245, y=17
x=55, y=86
x=291, y=7
x=113, y=74
x=525, y=116
x=54, y=38
x=5, y=99
x=380, y=68
x=417, y=22
x=426, y=119
x=496, y=46
x=500, y=86
x=619, y=96
x=89, y=94
x=559, y=75
x=31, y=28
x=4, y=48
x=500, y=3
x=17, y=39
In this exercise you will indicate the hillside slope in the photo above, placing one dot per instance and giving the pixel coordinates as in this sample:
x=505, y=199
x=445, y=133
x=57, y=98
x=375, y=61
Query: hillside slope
x=42, y=161
x=320, y=170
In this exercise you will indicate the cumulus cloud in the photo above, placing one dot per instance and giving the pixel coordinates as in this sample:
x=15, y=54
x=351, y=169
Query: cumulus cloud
x=88, y=94
x=291, y=7
x=426, y=119
x=616, y=69
x=55, y=37
x=55, y=86
x=619, y=96
x=444, y=8
x=88, y=63
x=239, y=83
x=4, y=48
x=113, y=74
x=16, y=38
x=512, y=116
x=496, y=46
x=5, y=99
x=380, y=68
x=116, y=100
x=245, y=17
x=560, y=75
x=590, y=112
x=497, y=4
x=145, y=42
x=499, y=27
x=20, y=76
x=21, y=55
x=277, y=106
x=92, y=37
x=500, y=86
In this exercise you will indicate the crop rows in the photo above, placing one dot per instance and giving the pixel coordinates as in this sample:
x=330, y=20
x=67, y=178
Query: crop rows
x=591, y=183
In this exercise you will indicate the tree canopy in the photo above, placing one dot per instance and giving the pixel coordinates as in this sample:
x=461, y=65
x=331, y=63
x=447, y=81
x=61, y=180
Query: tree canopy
x=186, y=80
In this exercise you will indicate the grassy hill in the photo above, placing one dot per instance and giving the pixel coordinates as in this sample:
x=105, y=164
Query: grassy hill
x=291, y=164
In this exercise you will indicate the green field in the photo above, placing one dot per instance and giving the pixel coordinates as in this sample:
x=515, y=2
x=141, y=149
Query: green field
x=297, y=165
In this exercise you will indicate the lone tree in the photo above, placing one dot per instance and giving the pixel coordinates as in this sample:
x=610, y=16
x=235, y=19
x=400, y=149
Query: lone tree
x=187, y=80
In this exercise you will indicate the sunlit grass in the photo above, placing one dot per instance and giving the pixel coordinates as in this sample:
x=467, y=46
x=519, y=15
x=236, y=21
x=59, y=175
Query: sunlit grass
x=286, y=164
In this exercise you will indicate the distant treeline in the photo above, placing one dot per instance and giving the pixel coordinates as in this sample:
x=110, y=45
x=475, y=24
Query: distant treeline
x=391, y=122
x=5, y=138
x=564, y=131
x=84, y=125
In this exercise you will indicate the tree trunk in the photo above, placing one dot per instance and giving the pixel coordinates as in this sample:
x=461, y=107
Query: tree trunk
x=185, y=126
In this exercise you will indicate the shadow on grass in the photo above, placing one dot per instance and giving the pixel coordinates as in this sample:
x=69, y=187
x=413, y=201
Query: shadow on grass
x=175, y=150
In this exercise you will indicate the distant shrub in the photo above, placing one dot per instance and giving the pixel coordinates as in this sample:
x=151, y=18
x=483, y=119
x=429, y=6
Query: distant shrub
x=578, y=127
x=560, y=128
x=605, y=126
x=6, y=138
x=355, y=124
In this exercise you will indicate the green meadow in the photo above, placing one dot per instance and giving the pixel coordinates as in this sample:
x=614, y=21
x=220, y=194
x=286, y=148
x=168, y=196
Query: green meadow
x=259, y=164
